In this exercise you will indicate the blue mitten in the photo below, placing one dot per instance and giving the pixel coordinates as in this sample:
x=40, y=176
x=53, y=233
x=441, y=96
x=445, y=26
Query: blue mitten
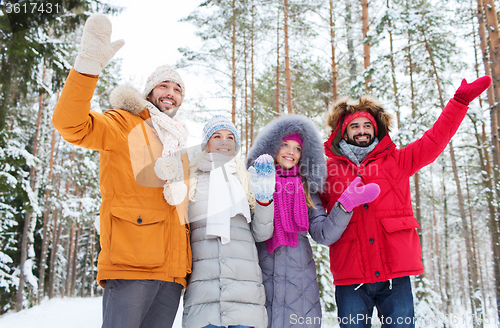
x=263, y=177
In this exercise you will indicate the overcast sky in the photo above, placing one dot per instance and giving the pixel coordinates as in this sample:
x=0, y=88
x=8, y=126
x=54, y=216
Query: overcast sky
x=152, y=36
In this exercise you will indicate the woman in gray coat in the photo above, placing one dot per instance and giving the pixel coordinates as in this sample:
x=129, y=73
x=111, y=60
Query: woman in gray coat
x=225, y=287
x=286, y=259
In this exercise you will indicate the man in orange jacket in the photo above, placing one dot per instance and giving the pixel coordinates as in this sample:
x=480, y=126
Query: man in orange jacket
x=145, y=250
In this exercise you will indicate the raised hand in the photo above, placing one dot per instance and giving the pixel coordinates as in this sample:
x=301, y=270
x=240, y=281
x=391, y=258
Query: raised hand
x=263, y=177
x=467, y=92
x=96, y=47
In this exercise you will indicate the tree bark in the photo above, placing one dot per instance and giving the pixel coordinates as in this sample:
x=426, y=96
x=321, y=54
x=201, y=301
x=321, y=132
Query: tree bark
x=277, y=95
x=69, y=257
x=366, y=43
x=491, y=67
x=393, y=73
x=92, y=262
x=28, y=238
x=334, y=63
x=85, y=261
x=76, y=249
x=477, y=314
x=350, y=44
x=447, y=269
x=46, y=224
x=53, y=254
x=233, y=72
x=288, y=78
x=252, y=63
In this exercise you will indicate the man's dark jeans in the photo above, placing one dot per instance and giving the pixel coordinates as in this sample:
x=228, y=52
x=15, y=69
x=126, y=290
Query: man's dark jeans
x=394, y=302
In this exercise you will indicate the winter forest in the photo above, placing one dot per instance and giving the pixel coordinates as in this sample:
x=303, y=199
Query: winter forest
x=267, y=58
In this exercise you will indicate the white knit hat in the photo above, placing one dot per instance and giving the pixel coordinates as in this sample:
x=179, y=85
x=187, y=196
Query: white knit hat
x=161, y=74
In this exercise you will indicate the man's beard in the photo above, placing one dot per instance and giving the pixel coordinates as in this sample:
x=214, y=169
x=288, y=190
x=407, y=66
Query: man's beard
x=363, y=143
x=170, y=112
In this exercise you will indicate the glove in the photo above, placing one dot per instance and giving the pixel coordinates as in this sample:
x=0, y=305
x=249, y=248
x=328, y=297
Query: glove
x=263, y=177
x=96, y=49
x=356, y=195
x=467, y=92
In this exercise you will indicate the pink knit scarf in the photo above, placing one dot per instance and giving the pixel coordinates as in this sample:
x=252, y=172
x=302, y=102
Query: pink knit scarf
x=290, y=209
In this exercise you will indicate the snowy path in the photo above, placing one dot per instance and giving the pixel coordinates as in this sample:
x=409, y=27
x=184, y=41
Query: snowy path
x=62, y=313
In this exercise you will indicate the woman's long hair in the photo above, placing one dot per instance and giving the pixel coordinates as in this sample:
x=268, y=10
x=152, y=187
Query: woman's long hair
x=242, y=172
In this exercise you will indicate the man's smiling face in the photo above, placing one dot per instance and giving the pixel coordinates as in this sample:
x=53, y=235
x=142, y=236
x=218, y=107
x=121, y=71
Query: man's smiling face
x=360, y=132
x=167, y=97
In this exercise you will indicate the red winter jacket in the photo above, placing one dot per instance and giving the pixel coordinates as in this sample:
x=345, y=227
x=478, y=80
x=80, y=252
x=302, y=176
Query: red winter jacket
x=381, y=241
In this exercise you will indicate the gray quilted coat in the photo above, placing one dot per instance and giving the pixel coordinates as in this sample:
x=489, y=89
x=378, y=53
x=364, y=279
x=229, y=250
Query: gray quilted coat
x=289, y=273
x=225, y=287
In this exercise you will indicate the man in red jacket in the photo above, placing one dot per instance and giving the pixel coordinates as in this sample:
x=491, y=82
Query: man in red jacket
x=372, y=261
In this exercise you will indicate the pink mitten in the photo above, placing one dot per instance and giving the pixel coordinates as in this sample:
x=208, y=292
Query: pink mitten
x=356, y=194
x=467, y=92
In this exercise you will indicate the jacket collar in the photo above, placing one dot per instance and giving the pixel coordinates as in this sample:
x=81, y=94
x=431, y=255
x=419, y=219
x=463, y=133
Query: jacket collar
x=127, y=98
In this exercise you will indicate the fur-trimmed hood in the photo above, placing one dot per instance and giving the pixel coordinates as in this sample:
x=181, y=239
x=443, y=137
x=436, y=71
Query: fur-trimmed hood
x=312, y=161
x=336, y=114
x=127, y=98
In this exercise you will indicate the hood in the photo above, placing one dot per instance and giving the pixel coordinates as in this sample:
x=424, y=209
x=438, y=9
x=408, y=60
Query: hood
x=127, y=98
x=344, y=105
x=312, y=161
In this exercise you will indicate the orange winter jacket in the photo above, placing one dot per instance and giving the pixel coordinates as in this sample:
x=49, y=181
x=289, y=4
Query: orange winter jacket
x=142, y=236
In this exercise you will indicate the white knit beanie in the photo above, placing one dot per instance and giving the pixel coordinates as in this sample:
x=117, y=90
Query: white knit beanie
x=161, y=74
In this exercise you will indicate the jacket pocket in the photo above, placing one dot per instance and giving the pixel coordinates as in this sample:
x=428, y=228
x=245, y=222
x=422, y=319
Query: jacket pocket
x=345, y=255
x=402, y=244
x=137, y=237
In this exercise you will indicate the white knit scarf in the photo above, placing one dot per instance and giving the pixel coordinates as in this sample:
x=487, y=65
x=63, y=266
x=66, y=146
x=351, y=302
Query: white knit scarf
x=226, y=196
x=173, y=135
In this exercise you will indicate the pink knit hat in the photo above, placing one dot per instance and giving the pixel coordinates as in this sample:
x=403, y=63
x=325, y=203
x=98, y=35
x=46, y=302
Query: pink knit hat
x=349, y=117
x=295, y=137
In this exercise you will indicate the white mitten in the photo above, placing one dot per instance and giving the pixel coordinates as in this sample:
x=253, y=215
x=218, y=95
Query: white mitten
x=96, y=48
x=166, y=167
x=175, y=192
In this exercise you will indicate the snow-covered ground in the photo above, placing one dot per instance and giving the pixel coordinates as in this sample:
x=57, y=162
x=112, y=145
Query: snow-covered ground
x=63, y=313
